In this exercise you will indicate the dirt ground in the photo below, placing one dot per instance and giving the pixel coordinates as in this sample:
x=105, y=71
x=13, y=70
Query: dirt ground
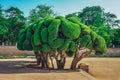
x=104, y=68
x=100, y=68
x=18, y=69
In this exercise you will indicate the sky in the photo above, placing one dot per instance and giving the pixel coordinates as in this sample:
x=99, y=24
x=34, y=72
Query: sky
x=63, y=7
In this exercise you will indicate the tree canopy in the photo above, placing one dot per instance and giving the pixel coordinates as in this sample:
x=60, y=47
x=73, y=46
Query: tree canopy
x=59, y=33
x=102, y=22
x=16, y=21
x=40, y=11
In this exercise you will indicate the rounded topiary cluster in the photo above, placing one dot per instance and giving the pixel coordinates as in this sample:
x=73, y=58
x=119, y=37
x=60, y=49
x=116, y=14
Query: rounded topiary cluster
x=59, y=33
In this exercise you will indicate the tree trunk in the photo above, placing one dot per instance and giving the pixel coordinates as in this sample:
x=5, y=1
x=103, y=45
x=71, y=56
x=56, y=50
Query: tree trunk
x=75, y=60
x=78, y=56
x=38, y=57
x=61, y=62
x=45, y=60
x=52, y=62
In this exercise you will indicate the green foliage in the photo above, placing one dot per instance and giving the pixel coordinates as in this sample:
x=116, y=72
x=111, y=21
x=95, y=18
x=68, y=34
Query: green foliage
x=85, y=29
x=40, y=11
x=45, y=48
x=70, y=30
x=48, y=20
x=90, y=45
x=93, y=35
x=74, y=20
x=3, y=33
x=102, y=24
x=116, y=37
x=44, y=35
x=85, y=40
x=56, y=43
x=65, y=45
x=53, y=29
x=73, y=46
x=21, y=39
x=36, y=48
x=92, y=16
x=70, y=53
x=59, y=17
x=52, y=34
x=71, y=15
x=34, y=26
x=100, y=44
x=29, y=33
x=3, y=30
x=14, y=21
x=36, y=37
x=27, y=45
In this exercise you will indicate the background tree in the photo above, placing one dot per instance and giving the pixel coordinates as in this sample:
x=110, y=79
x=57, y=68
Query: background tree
x=111, y=20
x=41, y=11
x=92, y=16
x=3, y=27
x=102, y=22
x=16, y=21
x=116, y=38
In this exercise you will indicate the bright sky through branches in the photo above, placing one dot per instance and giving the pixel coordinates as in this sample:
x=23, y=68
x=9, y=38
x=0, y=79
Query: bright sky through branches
x=63, y=7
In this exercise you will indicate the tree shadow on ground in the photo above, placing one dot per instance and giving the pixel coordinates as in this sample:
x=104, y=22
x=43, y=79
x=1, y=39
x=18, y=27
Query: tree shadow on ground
x=16, y=67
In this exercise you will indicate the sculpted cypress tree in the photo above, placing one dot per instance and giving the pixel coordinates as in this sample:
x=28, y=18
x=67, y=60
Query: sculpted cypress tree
x=59, y=37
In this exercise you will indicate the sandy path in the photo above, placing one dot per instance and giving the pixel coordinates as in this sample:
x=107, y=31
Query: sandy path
x=100, y=68
x=15, y=69
x=104, y=68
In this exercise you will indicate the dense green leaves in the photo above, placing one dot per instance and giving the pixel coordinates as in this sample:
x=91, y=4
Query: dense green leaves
x=74, y=20
x=100, y=45
x=41, y=11
x=45, y=48
x=103, y=23
x=71, y=28
x=85, y=29
x=53, y=29
x=85, y=40
x=45, y=36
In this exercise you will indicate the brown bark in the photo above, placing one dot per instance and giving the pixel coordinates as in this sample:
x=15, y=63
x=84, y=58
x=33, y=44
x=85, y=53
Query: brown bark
x=62, y=60
x=52, y=62
x=45, y=60
x=77, y=58
x=42, y=58
x=38, y=57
